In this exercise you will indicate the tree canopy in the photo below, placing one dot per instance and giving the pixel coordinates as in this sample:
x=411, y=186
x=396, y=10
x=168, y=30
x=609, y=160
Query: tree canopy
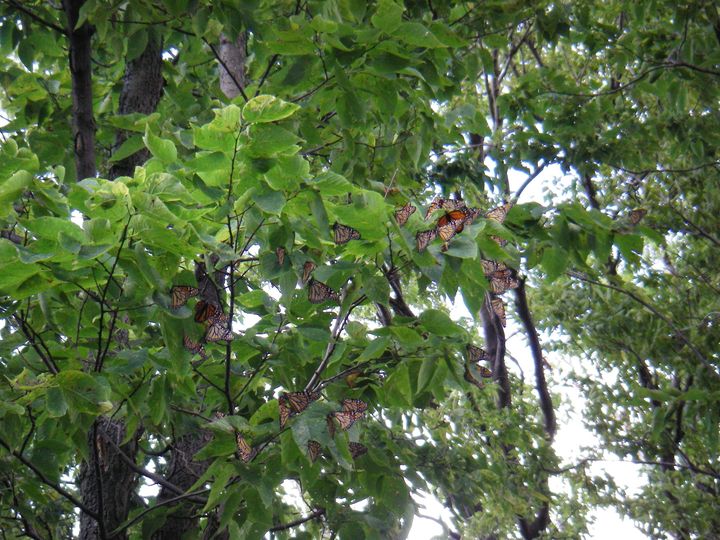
x=231, y=234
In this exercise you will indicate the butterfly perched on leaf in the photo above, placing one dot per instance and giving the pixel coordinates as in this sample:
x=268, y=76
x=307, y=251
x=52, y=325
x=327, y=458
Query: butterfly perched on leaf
x=423, y=238
x=194, y=347
x=245, y=451
x=445, y=204
x=451, y=223
x=180, y=294
x=499, y=308
x=357, y=449
x=352, y=411
x=292, y=403
x=308, y=268
x=314, y=450
x=403, y=213
x=343, y=234
x=500, y=276
x=499, y=213
x=318, y=292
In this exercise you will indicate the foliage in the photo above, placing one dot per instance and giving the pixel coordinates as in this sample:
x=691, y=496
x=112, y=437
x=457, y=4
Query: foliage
x=352, y=109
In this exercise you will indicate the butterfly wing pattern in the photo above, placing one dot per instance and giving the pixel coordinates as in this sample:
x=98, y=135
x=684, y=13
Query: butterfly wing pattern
x=180, y=294
x=357, y=449
x=318, y=292
x=499, y=308
x=308, y=268
x=292, y=403
x=343, y=234
x=314, y=450
x=245, y=451
x=352, y=411
x=423, y=238
x=403, y=213
x=501, y=277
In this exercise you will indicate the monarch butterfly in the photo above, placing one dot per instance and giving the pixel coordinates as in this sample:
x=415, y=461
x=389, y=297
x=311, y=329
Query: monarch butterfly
x=499, y=309
x=357, y=449
x=217, y=331
x=206, y=311
x=308, y=268
x=194, y=347
x=476, y=354
x=346, y=419
x=343, y=234
x=500, y=276
x=403, y=214
x=280, y=254
x=637, y=215
x=314, y=450
x=499, y=213
x=451, y=224
x=318, y=292
x=292, y=403
x=247, y=453
x=484, y=372
x=446, y=204
x=423, y=238
x=354, y=405
x=180, y=294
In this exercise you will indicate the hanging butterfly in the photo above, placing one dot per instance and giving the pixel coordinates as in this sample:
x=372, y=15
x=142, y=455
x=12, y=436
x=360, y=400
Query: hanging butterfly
x=180, y=294
x=499, y=213
x=314, y=450
x=318, y=292
x=500, y=276
x=246, y=452
x=403, y=214
x=343, y=234
x=357, y=449
x=218, y=331
x=636, y=216
x=205, y=311
x=308, y=268
x=499, y=308
x=194, y=347
x=292, y=403
x=423, y=238
x=477, y=354
x=280, y=254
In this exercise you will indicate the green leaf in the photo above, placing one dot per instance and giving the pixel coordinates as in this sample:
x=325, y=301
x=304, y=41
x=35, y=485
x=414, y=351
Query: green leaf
x=439, y=323
x=388, y=16
x=554, y=261
x=128, y=148
x=11, y=189
x=375, y=349
x=266, y=108
x=55, y=402
x=162, y=149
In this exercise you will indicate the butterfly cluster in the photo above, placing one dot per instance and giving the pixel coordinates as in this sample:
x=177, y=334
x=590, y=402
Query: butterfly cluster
x=457, y=215
x=292, y=403
x=205, y=312
x=315, y=450
x=474, y=371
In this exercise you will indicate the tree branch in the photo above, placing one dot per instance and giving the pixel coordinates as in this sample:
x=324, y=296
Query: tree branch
x=316, y=514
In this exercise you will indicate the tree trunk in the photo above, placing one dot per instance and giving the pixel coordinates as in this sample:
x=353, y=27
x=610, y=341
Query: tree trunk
x=106, y=482
x=81, y=72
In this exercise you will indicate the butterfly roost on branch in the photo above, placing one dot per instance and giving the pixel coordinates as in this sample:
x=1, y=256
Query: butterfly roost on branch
x=292, y=403
x=499, y=308
x=308, y=268
x=194, y=347
x=501, y=277
x=343, y=233
x=352, y=411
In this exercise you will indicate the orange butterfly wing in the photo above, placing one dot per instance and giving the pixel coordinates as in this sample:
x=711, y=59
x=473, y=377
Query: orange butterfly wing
x=357, y=449
x=403, y=214
x=180, y=294
x=318, y=292
x=343, y=234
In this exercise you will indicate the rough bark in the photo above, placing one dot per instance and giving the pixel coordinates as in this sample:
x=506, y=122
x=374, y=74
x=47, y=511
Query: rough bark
x=141, y=92
x=231, y=57
x=106, y=482
x=183, y=472
x=81, y=72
